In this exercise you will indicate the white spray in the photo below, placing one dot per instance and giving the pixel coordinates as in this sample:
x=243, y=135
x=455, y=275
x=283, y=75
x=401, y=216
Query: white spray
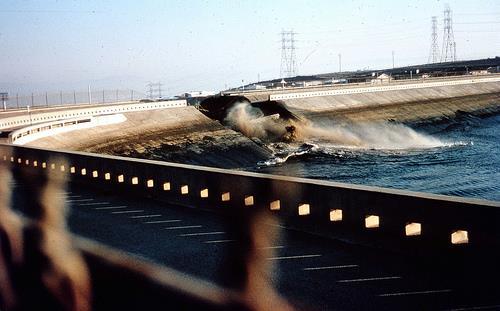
x=382, y=135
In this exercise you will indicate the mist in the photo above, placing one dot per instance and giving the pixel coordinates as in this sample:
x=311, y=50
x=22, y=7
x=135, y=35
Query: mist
x=381, y=135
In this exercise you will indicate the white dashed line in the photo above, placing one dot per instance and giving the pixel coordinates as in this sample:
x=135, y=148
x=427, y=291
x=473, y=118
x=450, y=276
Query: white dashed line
x=203, y=233
x=182, y=227
x=110, y=207
x=128, y=212
x=95, y=203
x=218, y=241
x=293, y=257
x=79, y=200
x=162, y=221
x=492, y=307
x=330, y=267
x=370, y=279
x=146, y=216
x=419, y=293
x=271, y=247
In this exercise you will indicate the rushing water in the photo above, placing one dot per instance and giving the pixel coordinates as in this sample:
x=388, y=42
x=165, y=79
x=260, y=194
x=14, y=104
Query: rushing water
x=461, y=158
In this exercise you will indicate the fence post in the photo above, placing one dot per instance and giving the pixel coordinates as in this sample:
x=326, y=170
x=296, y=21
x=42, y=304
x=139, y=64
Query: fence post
x=74, y=97
x=132, y=95
x=116, y=95
x=103, y=97
x=60, y=96
x=32, y=100
x=46, y=99
x=17, y=100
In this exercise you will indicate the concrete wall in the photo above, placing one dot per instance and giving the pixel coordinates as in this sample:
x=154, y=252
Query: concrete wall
x=402, y=220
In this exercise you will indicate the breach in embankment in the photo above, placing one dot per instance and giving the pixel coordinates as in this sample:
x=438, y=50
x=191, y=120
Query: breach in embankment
x=358, y=116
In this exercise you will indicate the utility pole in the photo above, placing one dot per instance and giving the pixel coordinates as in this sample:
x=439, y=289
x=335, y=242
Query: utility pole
x=90, y=96
x=393, y=59
x=449, y=46
x=288, y=67
x=340, y=62
x=434, y=54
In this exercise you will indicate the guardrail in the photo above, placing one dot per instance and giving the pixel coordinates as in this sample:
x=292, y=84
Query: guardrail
x=402, y=220
x=371, y=89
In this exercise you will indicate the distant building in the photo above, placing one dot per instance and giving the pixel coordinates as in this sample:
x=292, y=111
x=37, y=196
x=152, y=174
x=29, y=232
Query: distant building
x=479, y=72
x=195, y=94
x=383, y=78
x=255, y=87
x=309, y=83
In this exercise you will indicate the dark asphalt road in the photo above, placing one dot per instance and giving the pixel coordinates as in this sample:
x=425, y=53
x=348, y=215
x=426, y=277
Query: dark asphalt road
x=322, y=273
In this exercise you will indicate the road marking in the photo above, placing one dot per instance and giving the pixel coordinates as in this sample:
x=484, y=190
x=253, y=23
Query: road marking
x=94, y=203
x=111, y=207
x=162, y=221
x=202, y=233
x=417, y=293
x=79, y=200
x=271, y=247
x=330, y=267
x=182, y=227
x=293, y=257
x=146, y=216
x=370, y=279
x=73, y=196
x=477, y=308
x=128, y=212
x=218, y=241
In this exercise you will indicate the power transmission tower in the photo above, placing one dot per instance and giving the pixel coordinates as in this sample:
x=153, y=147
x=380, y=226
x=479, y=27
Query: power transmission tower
x=288, y=62
x=434, y=55
x=154, y=90
x=449, y=46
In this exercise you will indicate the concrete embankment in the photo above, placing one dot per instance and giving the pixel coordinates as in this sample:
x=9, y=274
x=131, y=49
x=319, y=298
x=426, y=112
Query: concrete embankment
x=408, y=102
x=178, y=134
x=408, y=106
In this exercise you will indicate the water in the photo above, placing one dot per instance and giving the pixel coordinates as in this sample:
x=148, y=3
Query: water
x=461, y=158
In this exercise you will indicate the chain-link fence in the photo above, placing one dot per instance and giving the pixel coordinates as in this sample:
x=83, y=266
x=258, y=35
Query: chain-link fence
x=48, y=99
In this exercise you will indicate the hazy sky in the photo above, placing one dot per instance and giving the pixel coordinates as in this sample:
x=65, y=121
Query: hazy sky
x=194, y=45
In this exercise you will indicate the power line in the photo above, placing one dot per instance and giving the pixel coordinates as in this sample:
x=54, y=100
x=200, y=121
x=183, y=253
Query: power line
x=434, y=54
x=288, y=66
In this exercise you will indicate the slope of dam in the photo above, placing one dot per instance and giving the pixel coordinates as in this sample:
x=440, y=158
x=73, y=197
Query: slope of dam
x=413, y=101
x=181, y=135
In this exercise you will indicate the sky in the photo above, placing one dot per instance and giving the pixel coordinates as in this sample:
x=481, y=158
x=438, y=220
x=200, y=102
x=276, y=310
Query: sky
x=212, y=45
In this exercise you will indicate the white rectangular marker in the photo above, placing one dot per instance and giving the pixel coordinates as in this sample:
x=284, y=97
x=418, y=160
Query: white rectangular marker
x=146, y=216
x=203, y=233
x=110, y=207
x=418, y=293
x=92, y=204
x=162, y=221
x=370, y=279
x=218, y=241
x=128, y=212
x=182, y=227
x=330, y=267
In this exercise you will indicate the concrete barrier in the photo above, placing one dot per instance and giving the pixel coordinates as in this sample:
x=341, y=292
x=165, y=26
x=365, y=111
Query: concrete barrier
x=31, y=133
x=35, y=116
x=402, y=220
